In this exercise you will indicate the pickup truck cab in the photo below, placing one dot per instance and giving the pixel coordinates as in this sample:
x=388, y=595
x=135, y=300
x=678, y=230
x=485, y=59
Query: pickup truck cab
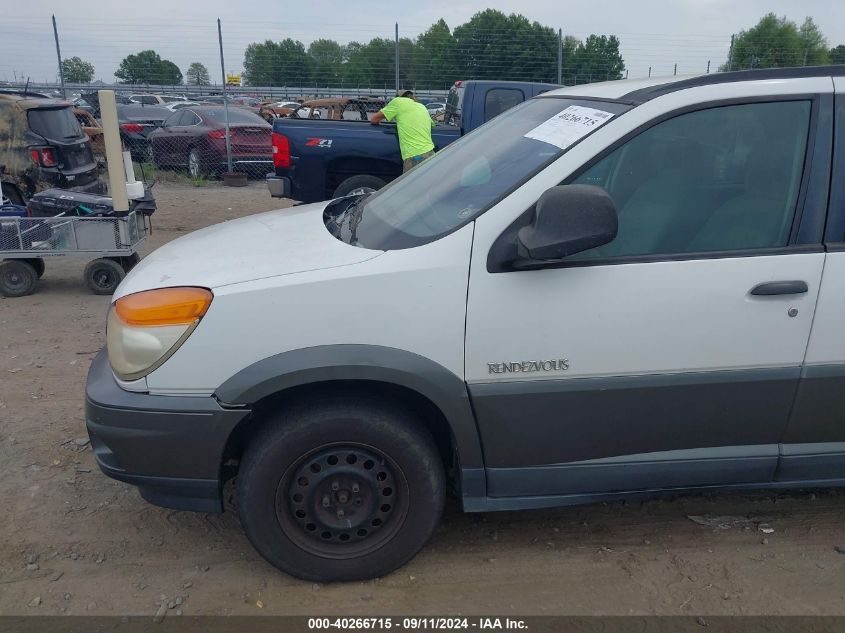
x=322, y=159
x=610, y=290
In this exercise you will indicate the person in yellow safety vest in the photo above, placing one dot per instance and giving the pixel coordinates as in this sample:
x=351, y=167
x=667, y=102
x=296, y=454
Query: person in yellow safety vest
x=413, y=124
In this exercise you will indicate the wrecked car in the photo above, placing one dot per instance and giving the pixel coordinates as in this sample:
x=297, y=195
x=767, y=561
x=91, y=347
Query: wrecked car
x=42, y=146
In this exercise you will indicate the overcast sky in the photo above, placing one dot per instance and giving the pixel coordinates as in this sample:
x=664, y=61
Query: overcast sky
x=653, y=33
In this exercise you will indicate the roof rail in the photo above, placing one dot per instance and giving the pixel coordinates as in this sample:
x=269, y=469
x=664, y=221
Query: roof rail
x=799, y=72
x=23, y=93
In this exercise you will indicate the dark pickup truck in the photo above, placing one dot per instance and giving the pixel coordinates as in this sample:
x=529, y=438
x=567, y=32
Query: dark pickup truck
x=318, y=160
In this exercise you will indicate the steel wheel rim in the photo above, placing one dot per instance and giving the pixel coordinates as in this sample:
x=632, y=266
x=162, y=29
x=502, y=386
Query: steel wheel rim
x=103, y=278
x=194, y=164
x=14, y=279
x=342, y=500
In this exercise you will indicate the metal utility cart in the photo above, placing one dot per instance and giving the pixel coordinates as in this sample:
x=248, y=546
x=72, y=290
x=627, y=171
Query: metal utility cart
x=110, y=242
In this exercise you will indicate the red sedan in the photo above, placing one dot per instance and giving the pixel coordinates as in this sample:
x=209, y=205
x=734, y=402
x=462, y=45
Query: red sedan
x=195, y=138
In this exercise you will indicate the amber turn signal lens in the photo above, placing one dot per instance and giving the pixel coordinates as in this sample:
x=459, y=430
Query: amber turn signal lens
x=163, y=306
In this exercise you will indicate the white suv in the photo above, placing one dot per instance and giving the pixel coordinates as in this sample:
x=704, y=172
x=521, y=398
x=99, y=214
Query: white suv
x=611, y=289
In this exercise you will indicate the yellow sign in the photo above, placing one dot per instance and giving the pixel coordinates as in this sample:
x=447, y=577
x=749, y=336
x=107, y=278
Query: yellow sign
x=233, y=80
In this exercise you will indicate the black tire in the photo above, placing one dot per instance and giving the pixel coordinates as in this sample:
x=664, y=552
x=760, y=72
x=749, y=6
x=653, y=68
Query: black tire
x=17, y=278
x=38, y=264
x=11, y=192
x=103, y=276
x=128, y=262
x=366, y=182
x=310, y=463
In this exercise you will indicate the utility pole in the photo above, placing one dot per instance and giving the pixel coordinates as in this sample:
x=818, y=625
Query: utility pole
x=397, y=58
x=225, y=99
x=676, y=70
x=59, y=57
x=708, y=66
x=560, y=57
x=649, y=71
x=805, y=57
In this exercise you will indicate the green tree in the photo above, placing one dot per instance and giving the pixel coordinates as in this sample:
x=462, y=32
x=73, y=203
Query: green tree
x=493, y=45
x=596, y=59
x=197, y=75
x=283, y=63
x=837, y=54
x=76, y=70
x=435, y=62
x=813, y=43
x=169, y=73
x=777, y=42
x=327, y=56
x=371, y=64
x=147, y=67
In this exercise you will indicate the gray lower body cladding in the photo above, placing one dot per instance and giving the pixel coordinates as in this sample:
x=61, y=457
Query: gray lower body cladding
x=589, y=436
x=170, y=447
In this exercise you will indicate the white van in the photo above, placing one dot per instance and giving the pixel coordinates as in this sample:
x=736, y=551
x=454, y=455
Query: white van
x=613, y=289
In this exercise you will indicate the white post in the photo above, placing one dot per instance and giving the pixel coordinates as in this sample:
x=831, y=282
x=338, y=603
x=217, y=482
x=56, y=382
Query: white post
x=114, y=156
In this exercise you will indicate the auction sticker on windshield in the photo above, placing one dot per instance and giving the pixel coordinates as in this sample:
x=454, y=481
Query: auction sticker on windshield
x=569, y=126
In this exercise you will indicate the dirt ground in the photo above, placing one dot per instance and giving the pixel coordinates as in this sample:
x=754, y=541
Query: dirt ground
x=74, y=542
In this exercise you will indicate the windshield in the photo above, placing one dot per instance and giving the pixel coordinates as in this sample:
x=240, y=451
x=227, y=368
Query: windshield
x=56, y=124
x=468, y=177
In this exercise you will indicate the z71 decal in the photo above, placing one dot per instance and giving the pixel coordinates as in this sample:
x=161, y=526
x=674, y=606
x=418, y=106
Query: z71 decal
x=318, y=142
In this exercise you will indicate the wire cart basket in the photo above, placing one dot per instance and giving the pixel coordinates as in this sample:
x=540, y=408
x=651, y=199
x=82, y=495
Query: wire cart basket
x=111, y=240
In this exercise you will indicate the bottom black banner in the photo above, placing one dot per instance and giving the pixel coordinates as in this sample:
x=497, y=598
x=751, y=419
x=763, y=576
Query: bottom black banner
x=403, y=624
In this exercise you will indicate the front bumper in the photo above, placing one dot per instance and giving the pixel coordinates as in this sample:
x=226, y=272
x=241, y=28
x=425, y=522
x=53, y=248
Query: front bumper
x=171, y=447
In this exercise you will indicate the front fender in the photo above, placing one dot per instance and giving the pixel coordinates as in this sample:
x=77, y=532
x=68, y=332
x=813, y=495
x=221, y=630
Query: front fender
x=310, y=365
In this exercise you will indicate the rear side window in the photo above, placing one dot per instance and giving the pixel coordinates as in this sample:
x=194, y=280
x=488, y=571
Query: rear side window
x=498, y=100
x=190, y=118
x=721, y=179
x=836, y=222
x=175, y=119
x=58, y=124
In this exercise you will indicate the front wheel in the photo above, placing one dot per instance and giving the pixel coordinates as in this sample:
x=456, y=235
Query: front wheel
x=195, y=164
x=341, y=489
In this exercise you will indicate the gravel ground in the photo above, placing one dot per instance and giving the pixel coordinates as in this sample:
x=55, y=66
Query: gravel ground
x=74, y=542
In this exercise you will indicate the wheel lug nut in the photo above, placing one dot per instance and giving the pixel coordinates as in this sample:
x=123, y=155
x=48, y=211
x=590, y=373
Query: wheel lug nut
x=355, y=488
x=326, y=501
x=340, y=514
x=335, y=486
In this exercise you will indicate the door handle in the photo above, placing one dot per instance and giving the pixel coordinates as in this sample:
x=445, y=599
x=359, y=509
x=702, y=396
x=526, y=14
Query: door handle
x=771, y=288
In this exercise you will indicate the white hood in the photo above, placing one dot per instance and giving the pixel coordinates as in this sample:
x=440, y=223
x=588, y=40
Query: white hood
x=265, y=245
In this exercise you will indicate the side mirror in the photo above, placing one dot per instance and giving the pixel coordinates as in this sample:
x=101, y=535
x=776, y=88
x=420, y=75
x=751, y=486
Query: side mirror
x=568, y=219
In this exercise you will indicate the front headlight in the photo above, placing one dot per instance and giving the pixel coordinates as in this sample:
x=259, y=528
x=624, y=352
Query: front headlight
x=144, y=329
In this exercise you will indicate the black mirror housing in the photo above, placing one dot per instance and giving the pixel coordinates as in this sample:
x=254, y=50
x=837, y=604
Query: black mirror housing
x=568, y=219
